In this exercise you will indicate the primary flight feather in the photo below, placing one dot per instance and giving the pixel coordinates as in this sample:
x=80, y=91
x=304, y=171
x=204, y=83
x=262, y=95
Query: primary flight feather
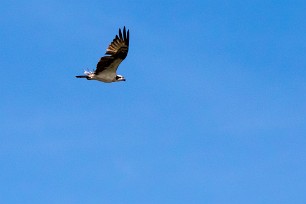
x=116, y=52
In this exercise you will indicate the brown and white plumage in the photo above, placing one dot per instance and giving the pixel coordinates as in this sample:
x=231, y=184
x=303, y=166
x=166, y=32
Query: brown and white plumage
x=107, y=67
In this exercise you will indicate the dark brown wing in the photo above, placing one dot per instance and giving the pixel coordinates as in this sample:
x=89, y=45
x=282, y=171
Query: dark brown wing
x=117, y=51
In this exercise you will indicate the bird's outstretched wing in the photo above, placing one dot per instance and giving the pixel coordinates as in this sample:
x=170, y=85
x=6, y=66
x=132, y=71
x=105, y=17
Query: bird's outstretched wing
x=115, y=53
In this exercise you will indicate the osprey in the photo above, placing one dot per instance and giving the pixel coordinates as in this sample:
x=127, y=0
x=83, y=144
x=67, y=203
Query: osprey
x=108, y=64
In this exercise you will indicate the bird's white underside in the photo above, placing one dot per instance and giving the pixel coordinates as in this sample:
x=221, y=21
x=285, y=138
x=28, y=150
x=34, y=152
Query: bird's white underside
x=107, y=75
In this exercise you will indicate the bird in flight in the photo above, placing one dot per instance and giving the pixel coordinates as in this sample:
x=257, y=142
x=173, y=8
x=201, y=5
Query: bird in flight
x=106, y=70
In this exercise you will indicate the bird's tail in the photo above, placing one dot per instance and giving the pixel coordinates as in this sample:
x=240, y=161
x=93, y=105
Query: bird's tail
x=81, y=76
x=87, y=74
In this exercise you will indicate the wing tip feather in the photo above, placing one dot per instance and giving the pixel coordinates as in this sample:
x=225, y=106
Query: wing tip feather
x=123, y=37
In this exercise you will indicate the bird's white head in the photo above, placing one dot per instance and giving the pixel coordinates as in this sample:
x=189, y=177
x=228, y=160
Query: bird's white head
x=120, y=78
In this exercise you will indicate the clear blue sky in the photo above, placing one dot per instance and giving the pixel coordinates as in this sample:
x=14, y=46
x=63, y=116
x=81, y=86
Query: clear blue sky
x=213, y=109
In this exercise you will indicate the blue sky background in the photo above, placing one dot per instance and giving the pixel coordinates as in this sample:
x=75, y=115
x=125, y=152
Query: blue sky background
x=213, y=109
